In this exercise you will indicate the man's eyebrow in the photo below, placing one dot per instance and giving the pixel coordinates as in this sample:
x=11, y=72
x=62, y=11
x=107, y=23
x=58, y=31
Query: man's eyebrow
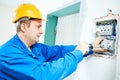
x=39, y=25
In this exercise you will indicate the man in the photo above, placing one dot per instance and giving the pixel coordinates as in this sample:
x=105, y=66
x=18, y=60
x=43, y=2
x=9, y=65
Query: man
x=22, y=58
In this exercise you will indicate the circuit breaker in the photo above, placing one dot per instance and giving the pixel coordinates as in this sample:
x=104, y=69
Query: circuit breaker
x=107, y=27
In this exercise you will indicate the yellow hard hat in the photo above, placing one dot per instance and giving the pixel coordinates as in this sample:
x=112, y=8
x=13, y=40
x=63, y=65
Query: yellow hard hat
x=27, y=10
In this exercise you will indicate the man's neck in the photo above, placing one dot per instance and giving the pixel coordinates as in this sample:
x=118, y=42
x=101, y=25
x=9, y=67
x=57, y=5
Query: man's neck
x=25, y=40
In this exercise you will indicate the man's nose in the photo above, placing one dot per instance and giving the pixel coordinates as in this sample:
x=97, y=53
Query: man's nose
x=41, y=31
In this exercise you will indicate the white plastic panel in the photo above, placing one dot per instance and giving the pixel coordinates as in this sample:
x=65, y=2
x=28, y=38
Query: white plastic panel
x=105, y=30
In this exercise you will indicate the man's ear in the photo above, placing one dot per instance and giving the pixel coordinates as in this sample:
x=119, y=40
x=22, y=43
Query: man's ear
x=23, y=27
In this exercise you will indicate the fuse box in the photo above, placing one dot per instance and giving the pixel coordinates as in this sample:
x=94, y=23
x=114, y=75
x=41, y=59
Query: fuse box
x=107, y=27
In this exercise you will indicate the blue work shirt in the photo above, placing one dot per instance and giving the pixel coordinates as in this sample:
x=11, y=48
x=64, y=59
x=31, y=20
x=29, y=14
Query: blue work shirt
x=43, y=62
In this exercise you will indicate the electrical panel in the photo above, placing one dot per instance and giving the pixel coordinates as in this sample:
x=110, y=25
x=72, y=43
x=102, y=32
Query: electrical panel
x=107, y=27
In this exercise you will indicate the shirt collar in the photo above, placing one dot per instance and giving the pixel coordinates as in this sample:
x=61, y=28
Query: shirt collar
x=23, y=46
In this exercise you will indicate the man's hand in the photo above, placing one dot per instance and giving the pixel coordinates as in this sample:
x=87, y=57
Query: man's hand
x=84, y=47
x=96, y=45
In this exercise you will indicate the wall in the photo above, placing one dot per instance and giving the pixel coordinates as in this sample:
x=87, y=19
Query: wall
x=95, y=68
x=90, y=9
x=51, y=32
x=7, y=29
x=92, y=67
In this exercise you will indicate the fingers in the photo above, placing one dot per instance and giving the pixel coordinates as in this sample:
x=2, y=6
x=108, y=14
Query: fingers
x=96, y=45
x=100, y=39
x=98, y=49
x=97, y=41
x=84, y=47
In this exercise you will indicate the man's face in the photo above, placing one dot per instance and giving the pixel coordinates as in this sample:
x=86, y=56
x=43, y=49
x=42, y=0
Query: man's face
x=34, y=31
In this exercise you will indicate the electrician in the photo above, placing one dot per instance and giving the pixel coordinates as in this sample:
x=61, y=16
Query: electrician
x=23, y=58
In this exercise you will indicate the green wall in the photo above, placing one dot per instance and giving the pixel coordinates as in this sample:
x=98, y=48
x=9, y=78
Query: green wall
x=50, y=31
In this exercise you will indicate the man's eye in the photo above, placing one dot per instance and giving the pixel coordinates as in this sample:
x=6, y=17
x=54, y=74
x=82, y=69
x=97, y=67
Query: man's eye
x=39, y=26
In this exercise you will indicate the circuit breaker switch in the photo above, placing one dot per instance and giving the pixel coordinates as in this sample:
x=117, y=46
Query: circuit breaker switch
x=104, y=30
x=108, y=45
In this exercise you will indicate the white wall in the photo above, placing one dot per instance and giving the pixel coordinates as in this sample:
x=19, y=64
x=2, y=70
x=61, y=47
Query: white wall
x=92, y=67
x=95, y=68
x=7, y=29
x=67, y=30
x=91, y=9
